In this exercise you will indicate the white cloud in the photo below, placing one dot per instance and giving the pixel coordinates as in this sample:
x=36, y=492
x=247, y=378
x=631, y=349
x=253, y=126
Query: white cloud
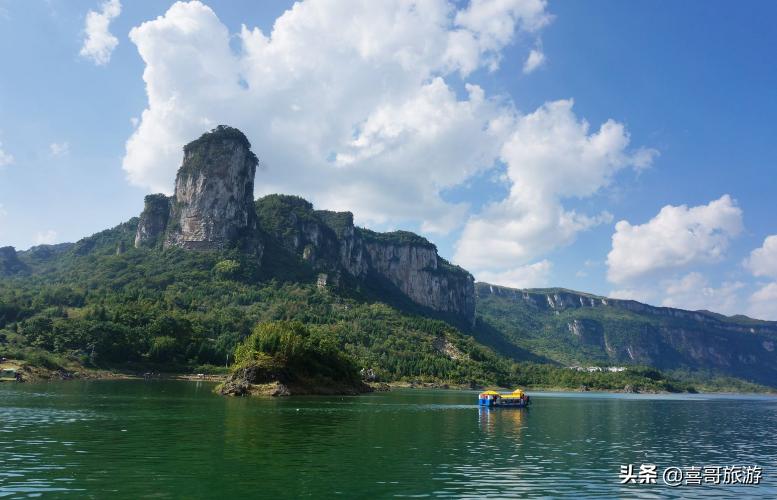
x=694, y=292
x=638, y=294
x=487, y=26
x=46, y=237
x=763, y=260
x=346, y=102
x=535, y=59
x=535, y=275
x=691, y=291
x=551, y=155
x=676, y=238
x=5, y=158
x=654, y=261
x=763, y=303
x=59, y=149
x=3, y=213
x=98, y=41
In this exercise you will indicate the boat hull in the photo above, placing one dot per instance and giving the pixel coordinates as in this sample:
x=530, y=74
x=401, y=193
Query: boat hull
x=491, y=403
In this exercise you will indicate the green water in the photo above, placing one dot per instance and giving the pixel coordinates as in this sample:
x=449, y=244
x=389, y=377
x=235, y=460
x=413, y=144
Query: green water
x=135, y=439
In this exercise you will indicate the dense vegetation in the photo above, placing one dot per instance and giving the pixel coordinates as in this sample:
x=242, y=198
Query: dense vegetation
x=175, y=310
x=295, y=351
x=218, y=134
x=102, y=303
x=396, y=238
x=574, y=328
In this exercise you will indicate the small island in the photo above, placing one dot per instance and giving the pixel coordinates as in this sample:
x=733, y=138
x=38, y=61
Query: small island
x=282, y=358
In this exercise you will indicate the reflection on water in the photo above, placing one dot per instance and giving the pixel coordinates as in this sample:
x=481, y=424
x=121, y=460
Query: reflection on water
x=131, y=439
x=507, y=420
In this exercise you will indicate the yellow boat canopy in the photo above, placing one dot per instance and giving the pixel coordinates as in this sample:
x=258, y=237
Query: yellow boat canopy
x=518, y=392
x=490, y=393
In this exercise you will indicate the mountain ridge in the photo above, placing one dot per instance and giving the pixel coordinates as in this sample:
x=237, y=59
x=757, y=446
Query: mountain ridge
x=572, y=329
x=154, y=288
x=636, y=303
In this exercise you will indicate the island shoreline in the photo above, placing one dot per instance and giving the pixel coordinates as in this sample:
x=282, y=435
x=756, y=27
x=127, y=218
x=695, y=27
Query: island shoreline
x=33, y=374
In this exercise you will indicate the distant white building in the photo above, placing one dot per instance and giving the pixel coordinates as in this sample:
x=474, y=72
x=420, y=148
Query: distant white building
x=592, y=369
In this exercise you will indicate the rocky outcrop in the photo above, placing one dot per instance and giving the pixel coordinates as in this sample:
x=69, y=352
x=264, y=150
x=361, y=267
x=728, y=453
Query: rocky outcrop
x=213, y=209
x=293, y=224
x=411, y=263
x=153, y=221
x=255, y=380
x=331, y=243
x=213, y=206
x=10, y=263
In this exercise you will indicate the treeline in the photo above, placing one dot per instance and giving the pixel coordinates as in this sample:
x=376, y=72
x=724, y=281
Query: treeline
x=176, y=310
x=179, y=310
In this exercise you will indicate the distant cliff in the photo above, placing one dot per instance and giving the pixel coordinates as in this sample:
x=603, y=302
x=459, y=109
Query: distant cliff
x=578, y=328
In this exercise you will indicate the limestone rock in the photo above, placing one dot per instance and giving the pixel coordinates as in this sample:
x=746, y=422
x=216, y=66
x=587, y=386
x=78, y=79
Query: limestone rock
x=213, y=206
x=10, y=263
x=153, y=220
x=422, y=275
x=332, y=245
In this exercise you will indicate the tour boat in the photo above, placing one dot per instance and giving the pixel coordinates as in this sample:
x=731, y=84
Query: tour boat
x=515, y=399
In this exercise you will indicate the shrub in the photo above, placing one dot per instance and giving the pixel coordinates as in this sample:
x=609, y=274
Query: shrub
x=227, y=269
x=300, y=352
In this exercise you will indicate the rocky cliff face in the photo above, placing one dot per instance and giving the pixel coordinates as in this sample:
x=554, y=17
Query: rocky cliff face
x=9, y=262
x=293, y=224
x=415, y=268
x=213, y=207
x=330, y=242
x=557, y=300
x=153, y=221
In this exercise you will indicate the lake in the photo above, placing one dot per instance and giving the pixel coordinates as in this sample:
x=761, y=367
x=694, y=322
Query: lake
x=176, y=439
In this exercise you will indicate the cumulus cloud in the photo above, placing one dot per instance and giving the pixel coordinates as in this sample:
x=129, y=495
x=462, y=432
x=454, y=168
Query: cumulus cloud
x=98, y=41
x=46, y=237
x=654, y=262
x=676, y=238
x=691, y=291
x=551, y=155
x=5, y=158
x=535, y=59
x=535, y=275
x=347, y=103
x=763, y=260
x=486, y=26
x=3, y=213
x=638, y=294
x=59, y=149
x=763, y=303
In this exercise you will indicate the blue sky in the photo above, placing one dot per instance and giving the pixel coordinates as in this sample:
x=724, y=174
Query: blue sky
x=689, y=87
